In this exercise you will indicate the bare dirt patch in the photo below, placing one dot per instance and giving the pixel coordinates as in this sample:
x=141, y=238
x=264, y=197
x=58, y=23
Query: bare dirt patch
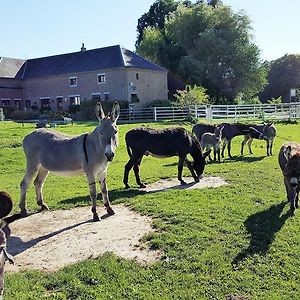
x=53, y=239
x=173, y=183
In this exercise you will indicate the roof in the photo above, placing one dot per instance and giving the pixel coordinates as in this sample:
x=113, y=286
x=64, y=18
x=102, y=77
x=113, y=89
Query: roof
x=9, y=67
x=83, y=61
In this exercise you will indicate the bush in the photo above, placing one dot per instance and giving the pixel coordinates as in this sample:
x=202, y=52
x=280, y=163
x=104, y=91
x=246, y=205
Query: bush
x=158, y=103
x=24, y=115
x=192, y=95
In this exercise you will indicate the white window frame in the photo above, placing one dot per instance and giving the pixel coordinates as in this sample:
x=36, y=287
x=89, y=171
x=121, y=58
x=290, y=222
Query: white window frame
x=96, y=94
x=75, y=96
x=6, y=99
x=71, y=78
x=99, y=75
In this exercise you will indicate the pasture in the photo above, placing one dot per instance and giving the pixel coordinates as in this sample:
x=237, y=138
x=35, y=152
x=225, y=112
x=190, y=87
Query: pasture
x=237, y=239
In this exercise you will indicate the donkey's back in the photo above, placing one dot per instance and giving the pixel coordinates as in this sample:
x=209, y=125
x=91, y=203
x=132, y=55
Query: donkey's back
x=159, y=142
x=53, y=150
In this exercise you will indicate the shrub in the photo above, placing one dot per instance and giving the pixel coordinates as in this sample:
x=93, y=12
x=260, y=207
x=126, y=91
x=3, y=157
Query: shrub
x=192, y=95
x=24, y=115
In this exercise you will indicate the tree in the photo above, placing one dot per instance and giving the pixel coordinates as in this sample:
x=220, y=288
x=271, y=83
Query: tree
x=210, y=46
x=155, y=17
x=282, y=76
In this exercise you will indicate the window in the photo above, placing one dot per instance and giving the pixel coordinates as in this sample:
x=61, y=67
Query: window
x=73, y=81
x=45, y=102
x=134, y=98
x=96, y=96
x=106, y=96
x=27, y=103
x=18, y=103
x=59, y=103
x=101, y=78
x=5, y=102
x=74, y=100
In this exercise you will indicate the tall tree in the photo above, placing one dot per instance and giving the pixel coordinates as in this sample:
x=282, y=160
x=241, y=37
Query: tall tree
x=211, y=46
x=283, y=75
x=155, y=17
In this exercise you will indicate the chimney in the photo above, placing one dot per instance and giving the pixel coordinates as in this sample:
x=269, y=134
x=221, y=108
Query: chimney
x=83, y=48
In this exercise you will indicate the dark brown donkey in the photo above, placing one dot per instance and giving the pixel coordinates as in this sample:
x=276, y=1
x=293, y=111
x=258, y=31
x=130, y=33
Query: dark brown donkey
x=163, y=143
x=289, y=161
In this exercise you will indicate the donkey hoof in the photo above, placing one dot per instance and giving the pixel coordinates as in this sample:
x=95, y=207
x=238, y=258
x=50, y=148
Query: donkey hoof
x=110, y=211
x=24, y=213
x=96, y=218
x=127, y=186
x=44, y=207
x=196, y=179
x=183, y=182
x=142, y=185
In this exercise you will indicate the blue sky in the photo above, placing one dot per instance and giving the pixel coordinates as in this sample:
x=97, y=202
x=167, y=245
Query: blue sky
x=37, y=28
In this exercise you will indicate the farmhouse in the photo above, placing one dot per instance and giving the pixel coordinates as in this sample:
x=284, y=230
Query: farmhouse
x=60, y=81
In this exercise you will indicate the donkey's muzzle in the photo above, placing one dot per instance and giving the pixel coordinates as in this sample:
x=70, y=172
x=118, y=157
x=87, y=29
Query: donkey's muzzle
x=109, y=156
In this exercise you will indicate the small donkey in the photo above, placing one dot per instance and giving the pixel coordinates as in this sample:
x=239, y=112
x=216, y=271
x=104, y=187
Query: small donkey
x=212, y=140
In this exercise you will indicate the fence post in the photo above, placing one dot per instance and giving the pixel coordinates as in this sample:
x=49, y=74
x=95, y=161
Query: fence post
x=208, y=112
x=1, y=114
x=155, y=115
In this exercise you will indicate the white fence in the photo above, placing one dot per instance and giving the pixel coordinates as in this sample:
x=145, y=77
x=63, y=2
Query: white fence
x=232, y=113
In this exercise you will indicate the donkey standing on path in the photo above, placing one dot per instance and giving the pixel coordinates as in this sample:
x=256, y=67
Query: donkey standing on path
x=90, y=153
x=163, y=143
x=289, y=162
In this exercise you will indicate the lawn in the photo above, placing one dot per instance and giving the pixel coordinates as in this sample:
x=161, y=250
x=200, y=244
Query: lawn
x=237, y=239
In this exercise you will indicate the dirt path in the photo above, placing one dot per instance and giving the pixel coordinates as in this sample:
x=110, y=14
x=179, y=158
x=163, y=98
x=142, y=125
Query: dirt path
x=54, y=239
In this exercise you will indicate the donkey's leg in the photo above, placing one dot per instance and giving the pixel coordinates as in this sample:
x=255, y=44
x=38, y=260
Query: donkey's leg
x=246, y=138
x=127, y=169
x=291, y=195
x=38, y=183
x=229, y=148
x=249, y=145
x=190, y=167
x=104, y=193
x=93, y=195
x=136, y=169
x=31, y=170
x=271, y=147
x=181, y=160
x=223, y=147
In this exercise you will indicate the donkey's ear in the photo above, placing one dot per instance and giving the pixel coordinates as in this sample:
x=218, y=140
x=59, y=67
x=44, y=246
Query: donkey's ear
x=115, y=113
x=206, y=153
x=287, y=152
x=99, y=112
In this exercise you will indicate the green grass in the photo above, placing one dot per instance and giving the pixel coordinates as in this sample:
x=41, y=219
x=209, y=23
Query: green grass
x=236, y=239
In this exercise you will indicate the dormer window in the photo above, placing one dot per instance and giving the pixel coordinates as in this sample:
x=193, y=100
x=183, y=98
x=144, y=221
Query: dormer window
x=73, y=81
x=101, y=78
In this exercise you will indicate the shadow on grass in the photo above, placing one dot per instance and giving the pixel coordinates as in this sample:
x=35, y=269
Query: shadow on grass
x=246, y=159
x=113, y=196
x=263, y=226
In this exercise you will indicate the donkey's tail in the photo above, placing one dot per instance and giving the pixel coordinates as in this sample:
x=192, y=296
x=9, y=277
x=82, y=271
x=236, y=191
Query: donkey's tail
x=128, y=150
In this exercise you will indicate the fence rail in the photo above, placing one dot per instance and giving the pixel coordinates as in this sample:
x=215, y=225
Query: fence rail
x=233, y=113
